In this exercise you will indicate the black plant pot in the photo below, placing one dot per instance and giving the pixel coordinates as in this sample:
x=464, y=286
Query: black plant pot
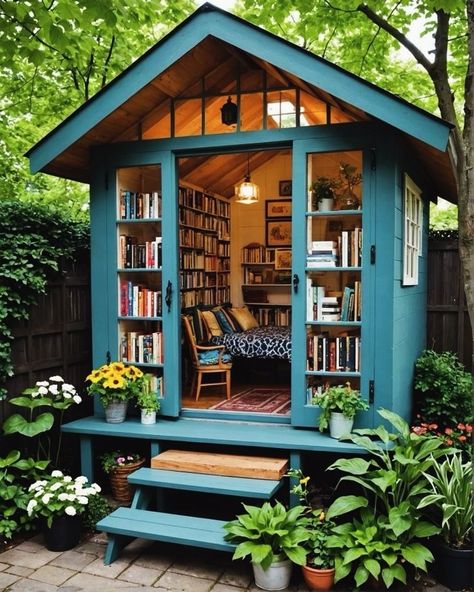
x=64, y=533
x=453, y=567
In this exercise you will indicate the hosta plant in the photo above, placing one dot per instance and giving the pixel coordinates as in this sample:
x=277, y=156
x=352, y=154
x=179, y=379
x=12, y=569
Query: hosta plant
x=449, y=501
x=268, y=531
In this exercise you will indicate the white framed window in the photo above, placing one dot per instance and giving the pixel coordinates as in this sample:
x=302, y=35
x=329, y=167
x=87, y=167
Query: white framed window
x=413, y=231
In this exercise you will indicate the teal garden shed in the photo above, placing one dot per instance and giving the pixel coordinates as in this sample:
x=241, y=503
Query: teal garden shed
x=324, y=269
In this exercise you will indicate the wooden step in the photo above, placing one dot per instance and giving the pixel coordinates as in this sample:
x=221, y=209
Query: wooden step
x=126, y=523
x=223, y=485
x=254, y=467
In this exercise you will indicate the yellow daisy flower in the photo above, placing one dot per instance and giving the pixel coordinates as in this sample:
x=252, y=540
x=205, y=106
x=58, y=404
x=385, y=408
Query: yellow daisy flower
x=118, y=367
x=133, y=372
x=114, y=381
x=94, y=376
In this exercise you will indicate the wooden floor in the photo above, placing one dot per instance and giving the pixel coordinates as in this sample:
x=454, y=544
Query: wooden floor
x=213, y=395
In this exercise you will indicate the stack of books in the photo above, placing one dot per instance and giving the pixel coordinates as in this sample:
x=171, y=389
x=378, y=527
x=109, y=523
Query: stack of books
x=322, y=254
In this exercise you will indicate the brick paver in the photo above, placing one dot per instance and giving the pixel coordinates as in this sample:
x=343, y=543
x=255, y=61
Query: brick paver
x=140, y=575
x=51, y=574
x=182, y=583
x=6, y=579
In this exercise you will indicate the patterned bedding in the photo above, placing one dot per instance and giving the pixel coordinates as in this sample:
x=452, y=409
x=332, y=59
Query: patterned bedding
x=261, y=342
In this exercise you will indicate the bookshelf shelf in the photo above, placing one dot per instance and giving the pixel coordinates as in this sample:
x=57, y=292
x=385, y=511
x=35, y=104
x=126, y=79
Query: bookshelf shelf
x=332, y=213
x=135, y=318
x=336, y=268
x=335, y=323
x=138, y=220
x=335, y=374
x=266, y=285
x=139, y=269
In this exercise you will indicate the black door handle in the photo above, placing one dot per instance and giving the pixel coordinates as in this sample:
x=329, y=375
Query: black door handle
x=296, y=281
x=169, y=295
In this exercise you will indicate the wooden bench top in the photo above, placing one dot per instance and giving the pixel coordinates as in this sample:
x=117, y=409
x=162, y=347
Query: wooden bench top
x=238, y=486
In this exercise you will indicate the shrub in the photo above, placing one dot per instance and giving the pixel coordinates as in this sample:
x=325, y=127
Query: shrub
x=97, y=508
x=443, y=389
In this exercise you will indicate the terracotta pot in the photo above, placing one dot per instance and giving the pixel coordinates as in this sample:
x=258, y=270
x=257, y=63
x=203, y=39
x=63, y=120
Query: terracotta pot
x=318, y=579
x=122, y=491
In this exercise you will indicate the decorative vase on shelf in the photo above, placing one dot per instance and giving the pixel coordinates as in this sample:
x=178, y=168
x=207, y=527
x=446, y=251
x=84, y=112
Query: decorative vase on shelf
x=348, y=200
x=339, y=424
x=318, y=579
x=325, y=204
x=64, y=533
x=122, y=491
x=116, y=411
x=148, y=417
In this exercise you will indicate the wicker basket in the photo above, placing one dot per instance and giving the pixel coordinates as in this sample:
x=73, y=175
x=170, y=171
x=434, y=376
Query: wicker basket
x=122, y=491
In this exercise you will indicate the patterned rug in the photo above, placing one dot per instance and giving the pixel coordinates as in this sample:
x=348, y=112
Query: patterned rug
x=258, y=400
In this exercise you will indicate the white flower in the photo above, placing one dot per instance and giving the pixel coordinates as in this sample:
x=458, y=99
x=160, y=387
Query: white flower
x=67, y=479
x=46, y=497
x=71, y=497
x=56, y=378
x=70, y=510
x=42, y=383
x=43, y=390
x=34, y=394
x=37, y=484
x=55, y=486
x=31, y=504
x=69, y=388
x=83, y=500
x=67, y=395
x=53, y=389
x=96, y=487
x=63, y=497
x=56, y=473
x=77, y=399
x=81, y=479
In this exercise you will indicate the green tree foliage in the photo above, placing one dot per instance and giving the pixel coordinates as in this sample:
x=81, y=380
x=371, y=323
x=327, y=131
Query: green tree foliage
x=33, y=238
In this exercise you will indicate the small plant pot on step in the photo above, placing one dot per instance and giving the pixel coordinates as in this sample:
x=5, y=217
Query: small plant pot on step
x=276, y=577
x=318, y=579
x=148, y=417
x=122, y=491
x=116, y=412
x=339, y=424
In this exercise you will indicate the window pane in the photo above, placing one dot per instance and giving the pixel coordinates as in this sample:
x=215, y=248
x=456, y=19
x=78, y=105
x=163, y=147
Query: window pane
x=187, y=117
x=251, y=111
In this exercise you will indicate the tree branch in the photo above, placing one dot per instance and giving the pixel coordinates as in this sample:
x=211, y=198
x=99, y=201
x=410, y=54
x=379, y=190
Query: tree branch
x=106, y=63
x=398, y=35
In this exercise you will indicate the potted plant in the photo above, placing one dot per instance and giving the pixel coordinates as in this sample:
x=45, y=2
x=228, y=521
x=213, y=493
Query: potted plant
x=339, y=404
x=119, y=466
x=61, y=500
x=348, y=179
x=449, y=505
x=273, y=536
x=323, y=194
x=148, y=403
x=115, y=384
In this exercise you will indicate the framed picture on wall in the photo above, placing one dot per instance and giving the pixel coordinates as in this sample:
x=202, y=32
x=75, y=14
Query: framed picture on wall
x=278, y=233
x=278, y=208
x=285, y=187
x=283, y=259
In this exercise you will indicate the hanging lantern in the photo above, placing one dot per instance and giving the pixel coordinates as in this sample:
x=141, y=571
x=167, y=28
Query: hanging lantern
x=229, y=112
x=247, y=192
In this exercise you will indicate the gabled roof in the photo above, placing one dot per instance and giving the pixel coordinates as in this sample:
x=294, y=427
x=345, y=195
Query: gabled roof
x=58, y=151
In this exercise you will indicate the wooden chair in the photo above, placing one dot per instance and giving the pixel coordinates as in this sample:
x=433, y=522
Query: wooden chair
x=200, y=369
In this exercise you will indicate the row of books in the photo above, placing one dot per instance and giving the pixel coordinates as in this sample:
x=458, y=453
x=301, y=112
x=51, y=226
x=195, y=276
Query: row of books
x=256, y=253
x=333, y=354
x=139, y=206
x=138, y=301
x=191, y=279
x=326, y=305
x=199, y=219
x=135, y=255
x=192, y=198
x=223, y=249
x=191, y=259
x=142, y=348
x=276, y=316
x=155, y=384
x=346, y=251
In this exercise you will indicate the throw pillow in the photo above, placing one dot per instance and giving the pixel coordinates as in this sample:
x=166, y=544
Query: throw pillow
x=244, y=318
x=212, y=325
x=223, y=321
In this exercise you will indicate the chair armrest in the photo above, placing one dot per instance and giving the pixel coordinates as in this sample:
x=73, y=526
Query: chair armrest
x=208, y=347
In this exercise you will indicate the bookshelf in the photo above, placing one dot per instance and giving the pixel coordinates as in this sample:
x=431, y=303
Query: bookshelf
x=333, y=296
x=139, y=268
x=204, y=241
x=265, y=289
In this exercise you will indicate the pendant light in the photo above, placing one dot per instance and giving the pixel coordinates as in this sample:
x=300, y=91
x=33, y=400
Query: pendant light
x=247, y=192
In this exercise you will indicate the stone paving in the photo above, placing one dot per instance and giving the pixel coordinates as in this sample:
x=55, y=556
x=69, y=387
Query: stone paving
x=142, y=565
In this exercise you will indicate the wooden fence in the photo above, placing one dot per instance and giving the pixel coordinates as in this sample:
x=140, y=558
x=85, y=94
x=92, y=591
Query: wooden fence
x=449, y=328
x=57, y=337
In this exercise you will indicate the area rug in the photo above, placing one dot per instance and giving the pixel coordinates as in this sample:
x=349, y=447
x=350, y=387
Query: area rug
x=258, y=400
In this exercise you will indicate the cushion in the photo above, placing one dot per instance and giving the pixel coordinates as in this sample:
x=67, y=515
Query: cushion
x=211, y=323
x=224, y=323
x=211, y=357
x=244, y=318
x=199, y=330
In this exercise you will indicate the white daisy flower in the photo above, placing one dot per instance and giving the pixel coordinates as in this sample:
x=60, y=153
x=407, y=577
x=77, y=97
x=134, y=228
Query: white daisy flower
x=42, y=383
x=68, y=388
x=71, y=497
x=53, y=389
x=43, y=390
x=67, y=479
x=70, y=510
x=67, y=395
x=31, y=505
x=83, y=500
x=56, y=473
x=56, y=378
x=77, y=399
x=46, y=498
x=81, y=479
x=63, y=497
x=55, y=486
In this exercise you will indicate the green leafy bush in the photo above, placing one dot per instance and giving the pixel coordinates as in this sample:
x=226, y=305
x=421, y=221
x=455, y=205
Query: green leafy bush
x=33, y=239
x=443, y=389
x=97, y=508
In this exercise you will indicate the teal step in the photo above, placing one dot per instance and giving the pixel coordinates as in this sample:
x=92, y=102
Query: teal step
x=223, y=485
x=127, y=523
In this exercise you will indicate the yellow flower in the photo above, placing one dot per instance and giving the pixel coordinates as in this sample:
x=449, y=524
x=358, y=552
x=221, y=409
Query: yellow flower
x=114, y=381
x=95, y=376
x=322, y=516
x=133, y=372
x=118, y=367
x=304, y=480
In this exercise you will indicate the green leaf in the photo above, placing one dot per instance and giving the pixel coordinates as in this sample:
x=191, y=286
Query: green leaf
x=17, y=424
x=11, y=458
x=361, y=576
x=417, y=555
x=342, y=570
x=423, y=529
x=344, y=504
x=31, y=403
x=397, y=422
x=297, y=555
x=354, y=466
x=394, y=572
x=373, y=567
x=400, y=520
x=352, y=554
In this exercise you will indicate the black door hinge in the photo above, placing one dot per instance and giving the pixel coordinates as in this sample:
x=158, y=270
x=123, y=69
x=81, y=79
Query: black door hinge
x=371, y=392
x=373, y=160
x=372, y=254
